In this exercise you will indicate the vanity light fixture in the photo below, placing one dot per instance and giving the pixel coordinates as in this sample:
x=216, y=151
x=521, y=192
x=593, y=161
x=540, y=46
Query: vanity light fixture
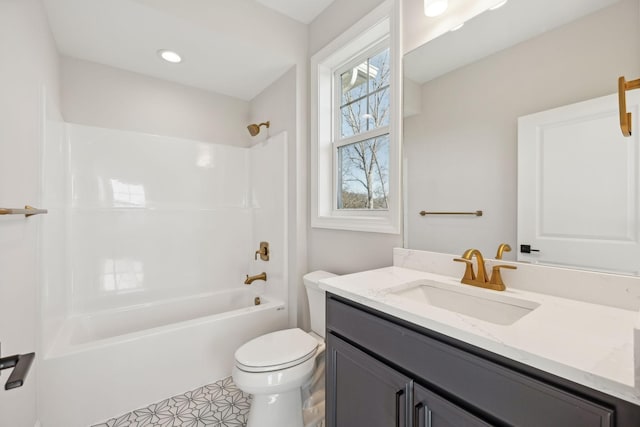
x=170, y=56
x=433, y=8
x=499, y=5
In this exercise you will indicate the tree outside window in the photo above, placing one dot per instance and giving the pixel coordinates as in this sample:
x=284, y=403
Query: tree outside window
x=362, y=146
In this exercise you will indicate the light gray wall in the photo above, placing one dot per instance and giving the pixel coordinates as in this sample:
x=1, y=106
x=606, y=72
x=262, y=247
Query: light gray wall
x=278, y=104
x=98, y=95
x=335, y=20
x=28, y=69
x=334, y=250
x=461, y=150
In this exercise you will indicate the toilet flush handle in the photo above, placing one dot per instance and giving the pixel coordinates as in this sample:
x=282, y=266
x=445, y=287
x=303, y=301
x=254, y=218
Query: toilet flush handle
x=20, y=364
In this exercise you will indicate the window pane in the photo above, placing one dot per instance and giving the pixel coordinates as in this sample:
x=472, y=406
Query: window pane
x=380, y=70
x=379, y=109
x=354, y=83
x=364, y=96
x=354, y=118
x=363, y=174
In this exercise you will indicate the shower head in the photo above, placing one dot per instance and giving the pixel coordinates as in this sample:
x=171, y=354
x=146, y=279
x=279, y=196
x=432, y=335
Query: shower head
x=254, y=129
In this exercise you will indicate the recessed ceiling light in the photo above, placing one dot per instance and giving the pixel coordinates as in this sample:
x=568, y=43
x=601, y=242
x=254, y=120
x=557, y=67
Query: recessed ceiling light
x=169, y=56
x=433, y=8
x=499, y=5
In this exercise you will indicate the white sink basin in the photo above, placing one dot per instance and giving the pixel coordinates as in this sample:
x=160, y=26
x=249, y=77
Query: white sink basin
x=490, y=306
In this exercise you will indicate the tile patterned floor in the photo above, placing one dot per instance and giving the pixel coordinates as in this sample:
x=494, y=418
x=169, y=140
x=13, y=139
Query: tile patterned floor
x=220, y=404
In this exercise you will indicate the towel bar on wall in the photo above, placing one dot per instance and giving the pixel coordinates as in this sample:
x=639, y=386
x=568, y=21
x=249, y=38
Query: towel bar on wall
x=20, y=364
x=625, y=117
x=476, y=213
x=27, y=211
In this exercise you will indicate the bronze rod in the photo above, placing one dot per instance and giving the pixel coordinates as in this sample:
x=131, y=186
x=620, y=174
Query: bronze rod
x=476, y=213
x=27, y=211
x=633, y=84
x=625, y=117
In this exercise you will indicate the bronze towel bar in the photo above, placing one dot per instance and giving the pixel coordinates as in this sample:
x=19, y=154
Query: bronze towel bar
x=625, y=117
x=476, y=213
x=27, y=211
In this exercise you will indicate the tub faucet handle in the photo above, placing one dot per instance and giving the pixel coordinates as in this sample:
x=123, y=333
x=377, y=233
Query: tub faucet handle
x=263, y=251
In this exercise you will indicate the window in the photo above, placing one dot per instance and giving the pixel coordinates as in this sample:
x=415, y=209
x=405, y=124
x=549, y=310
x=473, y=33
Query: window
x=361, y=145
x=355, y=127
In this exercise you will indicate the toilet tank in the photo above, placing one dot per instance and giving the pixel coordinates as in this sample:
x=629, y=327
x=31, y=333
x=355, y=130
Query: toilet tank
x=316, y=296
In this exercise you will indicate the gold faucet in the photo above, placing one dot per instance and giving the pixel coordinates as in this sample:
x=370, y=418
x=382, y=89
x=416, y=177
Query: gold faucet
x=250, y=279
x=480, y=279
x=504, y=247
x=470, y=277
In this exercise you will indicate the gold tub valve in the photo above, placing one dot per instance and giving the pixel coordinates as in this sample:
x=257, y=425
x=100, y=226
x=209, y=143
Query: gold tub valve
x=263, y=251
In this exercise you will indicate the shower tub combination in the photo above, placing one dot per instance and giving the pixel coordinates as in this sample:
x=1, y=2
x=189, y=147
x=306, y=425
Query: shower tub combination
x=137, y=305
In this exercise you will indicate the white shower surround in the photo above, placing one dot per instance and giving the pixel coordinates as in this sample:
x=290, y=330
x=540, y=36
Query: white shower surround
x=139, y=224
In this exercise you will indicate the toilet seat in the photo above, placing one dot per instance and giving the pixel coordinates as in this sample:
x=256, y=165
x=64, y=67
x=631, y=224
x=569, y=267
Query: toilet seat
x=275, y=351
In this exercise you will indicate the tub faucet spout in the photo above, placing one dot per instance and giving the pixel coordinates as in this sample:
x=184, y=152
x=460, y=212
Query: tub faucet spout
x=250, y=279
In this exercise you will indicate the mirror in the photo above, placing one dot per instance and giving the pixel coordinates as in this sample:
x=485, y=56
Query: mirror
x=464, y=93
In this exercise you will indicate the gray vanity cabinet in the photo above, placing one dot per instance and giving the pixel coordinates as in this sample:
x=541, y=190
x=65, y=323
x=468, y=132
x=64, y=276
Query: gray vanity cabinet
x=431, y=410
x=367, y=392
x=383, y=371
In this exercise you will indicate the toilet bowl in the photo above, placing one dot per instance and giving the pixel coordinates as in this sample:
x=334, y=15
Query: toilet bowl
x=274, y=367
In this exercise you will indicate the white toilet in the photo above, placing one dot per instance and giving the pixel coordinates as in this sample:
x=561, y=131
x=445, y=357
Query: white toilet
x=274, y=367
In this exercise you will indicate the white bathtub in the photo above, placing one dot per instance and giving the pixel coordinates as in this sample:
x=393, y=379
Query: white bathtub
x=108, y=363
x=94, y=327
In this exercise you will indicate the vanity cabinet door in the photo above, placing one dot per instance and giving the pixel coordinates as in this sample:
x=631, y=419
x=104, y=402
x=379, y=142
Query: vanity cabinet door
x=499, y=392
x=363, y=391
x=431, y=410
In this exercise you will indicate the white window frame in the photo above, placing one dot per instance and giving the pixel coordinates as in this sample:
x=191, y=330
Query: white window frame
x=338, y=140
x=379, y=26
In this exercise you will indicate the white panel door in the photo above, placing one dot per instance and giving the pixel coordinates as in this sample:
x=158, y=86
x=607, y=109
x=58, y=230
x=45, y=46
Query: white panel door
x=578, y=187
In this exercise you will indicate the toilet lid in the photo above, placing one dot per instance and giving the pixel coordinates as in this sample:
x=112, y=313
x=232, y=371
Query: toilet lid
x=277, y=350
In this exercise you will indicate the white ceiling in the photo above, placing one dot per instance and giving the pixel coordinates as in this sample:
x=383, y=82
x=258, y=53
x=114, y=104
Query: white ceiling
x=304, y=11
x=232, y=47
x=493, y=31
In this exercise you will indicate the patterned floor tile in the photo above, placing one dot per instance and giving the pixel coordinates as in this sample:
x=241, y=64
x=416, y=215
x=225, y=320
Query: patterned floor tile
x=220, y=404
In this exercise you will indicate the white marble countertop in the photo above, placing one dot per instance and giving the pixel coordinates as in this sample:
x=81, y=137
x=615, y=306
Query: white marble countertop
x=586, y=343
